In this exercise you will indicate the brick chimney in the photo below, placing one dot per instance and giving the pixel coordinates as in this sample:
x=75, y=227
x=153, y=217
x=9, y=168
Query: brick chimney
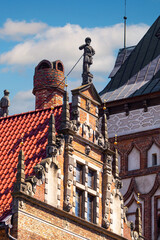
x=49, y=84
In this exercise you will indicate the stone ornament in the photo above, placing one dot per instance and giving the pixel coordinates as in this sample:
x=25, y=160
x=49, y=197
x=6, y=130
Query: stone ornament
x=87, y=150
x=87, y=61
x=4, y=104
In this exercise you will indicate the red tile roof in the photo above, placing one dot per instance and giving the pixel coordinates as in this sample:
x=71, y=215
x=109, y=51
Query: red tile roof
x=33, y=126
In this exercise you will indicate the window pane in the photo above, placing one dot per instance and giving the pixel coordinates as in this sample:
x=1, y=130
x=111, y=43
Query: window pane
x=78, y=205
x=90, y=178
x=77, y=208
x=154, y=159
x=79, y=170
x=90, y=208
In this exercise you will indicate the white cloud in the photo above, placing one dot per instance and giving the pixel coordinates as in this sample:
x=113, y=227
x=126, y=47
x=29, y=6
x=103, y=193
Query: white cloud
x=22, y=102
x=16, y=30
x=47, y=42
x=63, y=43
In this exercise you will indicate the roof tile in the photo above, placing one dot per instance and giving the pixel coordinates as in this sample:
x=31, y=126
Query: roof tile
x=34, y=126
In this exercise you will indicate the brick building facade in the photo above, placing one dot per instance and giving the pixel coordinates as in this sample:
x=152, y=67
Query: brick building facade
x=132, y=105
x=59, y=176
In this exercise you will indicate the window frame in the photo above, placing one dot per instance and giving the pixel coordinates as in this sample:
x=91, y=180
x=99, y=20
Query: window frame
x=80, y=202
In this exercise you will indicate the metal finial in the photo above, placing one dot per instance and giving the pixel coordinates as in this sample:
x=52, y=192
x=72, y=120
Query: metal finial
x=22, y=139
x=138, y=201
x=115, y=140
x=66, y=84
x=104, y=107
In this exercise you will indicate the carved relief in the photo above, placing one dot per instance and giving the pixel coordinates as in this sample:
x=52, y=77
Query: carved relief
x=87, y=149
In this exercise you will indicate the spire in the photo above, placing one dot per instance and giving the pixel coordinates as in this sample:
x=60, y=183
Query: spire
x=51, y=131
x=115, y=160
x=20, y=168
x=65, y=121
x=138, y=221
x=104, y=128
x=51, y=148
x=115, y=164
x=20, y=184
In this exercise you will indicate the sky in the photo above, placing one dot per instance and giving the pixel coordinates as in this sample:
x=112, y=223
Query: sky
x=31, y=31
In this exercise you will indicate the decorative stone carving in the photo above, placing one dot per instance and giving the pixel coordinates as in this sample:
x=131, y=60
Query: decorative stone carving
x=40, y=174
x=88, y=105
x=87, y=149
x=118, y=184
x=106, y=223
x=75, y=124
x=67, y=204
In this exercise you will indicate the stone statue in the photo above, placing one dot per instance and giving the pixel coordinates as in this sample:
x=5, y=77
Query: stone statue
x=87, y=61
x=4, y=104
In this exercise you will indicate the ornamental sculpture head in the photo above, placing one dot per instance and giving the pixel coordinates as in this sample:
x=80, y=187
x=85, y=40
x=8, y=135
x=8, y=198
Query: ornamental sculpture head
x=87, y=61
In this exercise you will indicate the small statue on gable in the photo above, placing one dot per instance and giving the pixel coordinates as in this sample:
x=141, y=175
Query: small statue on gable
x=4, y=104
x=87, y=61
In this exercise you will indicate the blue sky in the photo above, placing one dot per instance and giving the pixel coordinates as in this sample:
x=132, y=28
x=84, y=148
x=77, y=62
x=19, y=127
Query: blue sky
x=33, y=30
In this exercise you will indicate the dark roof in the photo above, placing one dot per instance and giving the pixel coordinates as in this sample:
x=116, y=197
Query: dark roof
x=34, y=127
x=123, y=54
x=138, y=70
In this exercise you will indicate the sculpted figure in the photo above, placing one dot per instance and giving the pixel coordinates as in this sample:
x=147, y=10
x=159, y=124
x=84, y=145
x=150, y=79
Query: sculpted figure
x=4, y=104
x=88, y=53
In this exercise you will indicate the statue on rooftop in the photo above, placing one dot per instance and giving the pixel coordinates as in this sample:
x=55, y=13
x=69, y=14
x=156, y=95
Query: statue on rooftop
x=87, y=61
x=4, y=104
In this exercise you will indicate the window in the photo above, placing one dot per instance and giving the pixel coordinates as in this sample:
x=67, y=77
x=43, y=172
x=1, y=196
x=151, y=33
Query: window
x=60, y=67
x=79, y=203
x=79, y=173
x=86, y=190
x=154, y=159
x=153, y=156
x=91, y=178
x=43, y=65
x=134, y=159
x=90, y=208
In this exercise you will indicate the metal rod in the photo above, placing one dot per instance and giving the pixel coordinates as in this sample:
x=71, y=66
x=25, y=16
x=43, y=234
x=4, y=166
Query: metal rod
x=125, y=18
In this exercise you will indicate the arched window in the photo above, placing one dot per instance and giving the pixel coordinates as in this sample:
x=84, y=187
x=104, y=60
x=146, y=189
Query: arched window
x=134, y=160
x=60, y=67
x=153, y=156
x=43, y=65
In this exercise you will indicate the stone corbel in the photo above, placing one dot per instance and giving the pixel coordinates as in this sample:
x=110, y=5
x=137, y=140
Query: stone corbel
x=67, y=204
x=126, y=108
x=106, y=223
x=145, y=107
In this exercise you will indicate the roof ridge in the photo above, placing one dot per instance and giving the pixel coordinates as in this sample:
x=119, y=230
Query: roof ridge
x=34, y=111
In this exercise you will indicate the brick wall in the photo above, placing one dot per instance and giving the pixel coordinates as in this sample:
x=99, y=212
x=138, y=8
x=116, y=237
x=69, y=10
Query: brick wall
x=39, y=221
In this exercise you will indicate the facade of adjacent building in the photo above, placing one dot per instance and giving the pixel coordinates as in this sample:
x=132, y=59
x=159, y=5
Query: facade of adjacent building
x=59, y=176
x=132, y=105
